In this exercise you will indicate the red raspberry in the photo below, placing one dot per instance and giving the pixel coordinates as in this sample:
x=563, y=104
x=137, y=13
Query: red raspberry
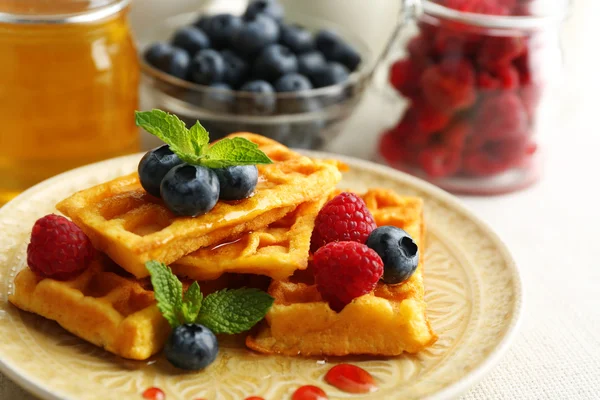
x=429, y=118
x=343, y=218
x=58, y=248
x=418, y=49
x=393, y=150
x=500, y=116
x=439, y=161
x=500, y=50
x=456, y=43
x=450, y=86
x=525, y=67
x=456, y=135
x=344, y=271
x=404, y=76
x=503, y=77
x=495, y=156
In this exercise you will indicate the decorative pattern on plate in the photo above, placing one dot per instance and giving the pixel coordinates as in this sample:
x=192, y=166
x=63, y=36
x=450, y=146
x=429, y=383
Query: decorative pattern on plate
x=473, y=295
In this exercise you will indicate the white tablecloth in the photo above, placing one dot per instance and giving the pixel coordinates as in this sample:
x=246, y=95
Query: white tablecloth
x=552, y=229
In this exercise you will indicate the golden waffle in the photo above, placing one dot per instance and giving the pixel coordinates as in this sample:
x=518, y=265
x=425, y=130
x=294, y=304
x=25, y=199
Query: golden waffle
x=132, y=227
x=275, y=251
x=101, y=305
x=387, y=322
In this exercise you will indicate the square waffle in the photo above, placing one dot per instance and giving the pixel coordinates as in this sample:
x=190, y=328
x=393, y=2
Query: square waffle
x=275, y=251
x=132, y=227
x=102, y=305
x=109, y=307
x=387, y=322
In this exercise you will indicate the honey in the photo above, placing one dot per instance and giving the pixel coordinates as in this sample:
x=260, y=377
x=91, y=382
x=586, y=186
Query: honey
x=68, y=94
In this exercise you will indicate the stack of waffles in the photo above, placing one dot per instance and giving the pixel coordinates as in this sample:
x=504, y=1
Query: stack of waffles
x=112, y=303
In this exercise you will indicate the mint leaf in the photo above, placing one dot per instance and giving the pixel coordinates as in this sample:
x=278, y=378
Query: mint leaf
x=167, y=291
x=199, y=137
x=192, y=301
x=234, y=311
x=234, y=151
x=172, y=131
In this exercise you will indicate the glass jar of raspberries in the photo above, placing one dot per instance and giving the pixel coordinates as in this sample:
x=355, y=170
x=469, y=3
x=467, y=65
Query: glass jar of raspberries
x=476, y=78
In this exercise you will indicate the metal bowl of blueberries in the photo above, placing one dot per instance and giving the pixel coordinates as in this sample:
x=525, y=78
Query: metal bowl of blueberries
x=294, y=79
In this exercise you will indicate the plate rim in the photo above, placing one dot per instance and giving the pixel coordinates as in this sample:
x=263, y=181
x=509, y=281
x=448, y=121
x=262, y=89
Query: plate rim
x=19, y=377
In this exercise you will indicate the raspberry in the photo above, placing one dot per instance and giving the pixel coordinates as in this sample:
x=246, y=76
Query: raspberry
x=450, y=85
x=495, y=156
x=503, y=77
x=392, y=150
x=404, y=76
x=524, y=66
x=500, y=116
x=500, y=50
x=58, y=248
x=343, y=218
x=455, y=43
x=439, y=161
x=344, y=271
x=455, y=136
x=418, y=49
x=429, y=118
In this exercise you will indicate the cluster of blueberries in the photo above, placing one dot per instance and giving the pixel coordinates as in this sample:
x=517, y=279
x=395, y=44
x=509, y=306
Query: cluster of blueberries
x=256, y=53
x=192, y=190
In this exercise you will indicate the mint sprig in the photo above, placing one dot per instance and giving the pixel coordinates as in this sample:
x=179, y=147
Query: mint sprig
x=225, y=311
x=192, y=145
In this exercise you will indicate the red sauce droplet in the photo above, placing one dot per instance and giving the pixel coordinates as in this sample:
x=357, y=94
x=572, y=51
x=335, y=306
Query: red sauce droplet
x=350, y=378
x=309, y=392
x=154, y=393
x=254, y=398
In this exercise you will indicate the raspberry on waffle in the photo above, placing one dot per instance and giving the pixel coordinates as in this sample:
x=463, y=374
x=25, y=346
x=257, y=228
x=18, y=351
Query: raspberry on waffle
x=132, y=227
x=387, y=322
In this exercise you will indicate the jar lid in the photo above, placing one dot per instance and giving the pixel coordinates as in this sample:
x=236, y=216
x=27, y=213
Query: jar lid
x=533, y=14
x=58, y=11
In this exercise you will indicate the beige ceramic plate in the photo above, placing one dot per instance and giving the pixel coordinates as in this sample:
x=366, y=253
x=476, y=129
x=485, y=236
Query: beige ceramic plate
x=473, y=294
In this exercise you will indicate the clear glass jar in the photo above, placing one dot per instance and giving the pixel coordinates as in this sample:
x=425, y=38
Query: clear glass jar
x=69, y=87
x=477, y=91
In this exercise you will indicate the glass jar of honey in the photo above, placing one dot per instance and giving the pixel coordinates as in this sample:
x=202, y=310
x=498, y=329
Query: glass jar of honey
x=68, y=87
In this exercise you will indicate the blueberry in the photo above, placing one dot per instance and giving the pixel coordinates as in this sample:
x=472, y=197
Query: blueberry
x=235, y=68
x=169, y=59
x=154, y=166
x=219, y=100
x=255, y=34
x=335, y=49
x=292, y=83
x=332, y=74
x=192, y=347
x=398, y=251
x=270, y=8
x=296, y=38
x=190, y=190
x=275, y=61
x=222, y=28
x=237, y=182
x=309, y=63
x=207, y=67
x=190, y=39
x=262, y=102
x=203, y=22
